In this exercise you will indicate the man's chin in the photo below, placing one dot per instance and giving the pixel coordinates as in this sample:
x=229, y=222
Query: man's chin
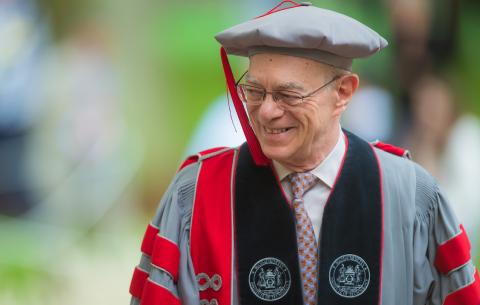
x=280, y=154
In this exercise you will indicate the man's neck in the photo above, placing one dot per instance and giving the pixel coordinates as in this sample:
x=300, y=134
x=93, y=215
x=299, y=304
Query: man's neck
x=317, y=155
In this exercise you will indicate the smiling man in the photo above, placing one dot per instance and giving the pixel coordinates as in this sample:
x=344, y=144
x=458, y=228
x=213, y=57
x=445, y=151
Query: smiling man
x=304, y=212
x=298, y=137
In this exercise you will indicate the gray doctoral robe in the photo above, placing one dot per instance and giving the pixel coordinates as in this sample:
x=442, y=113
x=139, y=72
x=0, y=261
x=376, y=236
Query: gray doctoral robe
x=417, y=219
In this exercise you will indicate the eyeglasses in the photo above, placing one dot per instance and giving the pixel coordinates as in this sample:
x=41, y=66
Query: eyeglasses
x=255, y=96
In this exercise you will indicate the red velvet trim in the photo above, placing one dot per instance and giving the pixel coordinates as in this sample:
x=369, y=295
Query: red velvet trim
x=188, y=161
x=468, y=295
x=253, y=144
x=166, y=255
x=453, y=253
x=154, y=294
x=211, y=150
x=138, y=282
x=383, y=225
x=149, y=239
x=390, y=148
x=211, y=226
x=276, y=8
x=194, y=158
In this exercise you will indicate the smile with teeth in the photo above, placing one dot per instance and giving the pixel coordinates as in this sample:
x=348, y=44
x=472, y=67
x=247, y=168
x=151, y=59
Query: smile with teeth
x=276, y=130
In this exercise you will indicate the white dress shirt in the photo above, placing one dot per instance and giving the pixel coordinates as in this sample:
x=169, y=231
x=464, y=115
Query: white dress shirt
x=316, y=197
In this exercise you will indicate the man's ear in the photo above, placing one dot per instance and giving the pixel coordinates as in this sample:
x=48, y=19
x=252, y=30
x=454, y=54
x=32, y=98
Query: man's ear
x=347, y=85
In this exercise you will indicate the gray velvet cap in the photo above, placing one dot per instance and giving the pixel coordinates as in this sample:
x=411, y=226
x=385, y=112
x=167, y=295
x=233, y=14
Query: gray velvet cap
x=304, y=31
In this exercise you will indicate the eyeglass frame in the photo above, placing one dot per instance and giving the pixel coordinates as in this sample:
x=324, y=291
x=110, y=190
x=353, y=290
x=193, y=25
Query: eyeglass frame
x=265, y=92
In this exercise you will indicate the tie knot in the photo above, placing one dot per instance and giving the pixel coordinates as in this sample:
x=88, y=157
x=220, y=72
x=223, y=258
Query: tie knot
x=301, y=183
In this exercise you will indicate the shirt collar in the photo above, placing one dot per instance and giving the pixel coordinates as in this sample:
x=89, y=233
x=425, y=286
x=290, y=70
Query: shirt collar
x=327, y=170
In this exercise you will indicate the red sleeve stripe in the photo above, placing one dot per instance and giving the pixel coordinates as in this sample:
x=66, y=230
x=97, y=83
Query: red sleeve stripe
x=166, y=256
x=149, y=239
x=155, y=294
x=468, y=295
x=454, y=253
x=138, y=281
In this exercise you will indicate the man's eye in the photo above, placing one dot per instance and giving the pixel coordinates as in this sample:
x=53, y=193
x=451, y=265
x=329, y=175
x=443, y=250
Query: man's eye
x=254, y=93
x=287, y=97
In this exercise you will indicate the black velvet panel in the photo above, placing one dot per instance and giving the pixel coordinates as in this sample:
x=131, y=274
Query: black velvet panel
x=352, y=223
x=265, y=227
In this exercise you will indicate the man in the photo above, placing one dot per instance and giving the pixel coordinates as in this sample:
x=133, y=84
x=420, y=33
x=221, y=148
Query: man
x=303, y=213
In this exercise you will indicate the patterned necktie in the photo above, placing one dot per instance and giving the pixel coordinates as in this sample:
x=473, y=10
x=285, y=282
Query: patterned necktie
x=307, y=245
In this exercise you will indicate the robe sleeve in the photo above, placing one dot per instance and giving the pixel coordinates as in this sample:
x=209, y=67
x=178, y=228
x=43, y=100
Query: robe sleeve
x=443, y=270
x=165, y=273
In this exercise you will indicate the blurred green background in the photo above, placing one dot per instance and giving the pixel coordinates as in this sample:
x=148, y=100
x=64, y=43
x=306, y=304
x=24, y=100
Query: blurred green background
x=100, y=99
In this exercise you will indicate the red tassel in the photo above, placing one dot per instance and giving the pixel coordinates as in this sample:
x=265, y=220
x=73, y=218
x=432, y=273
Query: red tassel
x=253, y=144
x=277, y=9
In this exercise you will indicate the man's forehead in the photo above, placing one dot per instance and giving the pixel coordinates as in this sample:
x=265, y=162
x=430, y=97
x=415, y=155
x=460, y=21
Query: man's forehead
x=282, y=58
x=277, y=83
x=288, y=62
x=285, y=70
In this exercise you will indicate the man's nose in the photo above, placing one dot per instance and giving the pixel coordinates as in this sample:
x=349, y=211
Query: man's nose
x=270, y=109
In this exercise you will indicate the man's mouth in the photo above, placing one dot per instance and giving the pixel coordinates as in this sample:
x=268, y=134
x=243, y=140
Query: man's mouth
x=276, y=130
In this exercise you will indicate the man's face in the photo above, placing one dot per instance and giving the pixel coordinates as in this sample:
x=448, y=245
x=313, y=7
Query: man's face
x=292, y=135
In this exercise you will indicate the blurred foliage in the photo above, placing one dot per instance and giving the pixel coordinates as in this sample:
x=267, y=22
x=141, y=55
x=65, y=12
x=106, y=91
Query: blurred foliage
x=22, y=273
x=171, y=67
x=465, y=69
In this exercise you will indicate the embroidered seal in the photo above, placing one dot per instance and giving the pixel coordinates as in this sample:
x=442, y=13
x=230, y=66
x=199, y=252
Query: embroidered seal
x=269, y=279
x=349, y=276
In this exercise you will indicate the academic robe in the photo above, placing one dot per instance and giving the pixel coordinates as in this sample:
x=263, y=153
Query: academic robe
x=409, y=250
